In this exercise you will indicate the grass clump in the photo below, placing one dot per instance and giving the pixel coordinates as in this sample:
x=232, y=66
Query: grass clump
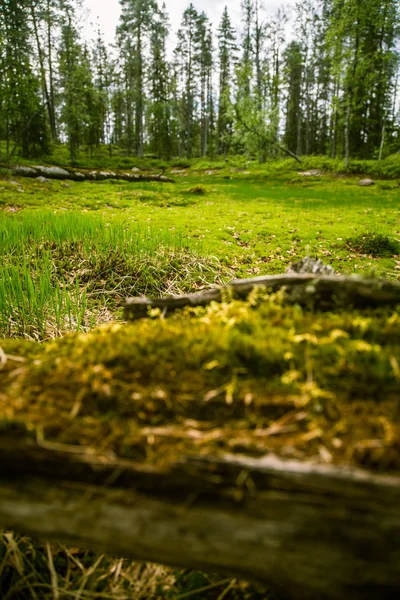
x=373, y=244
x=68, y=271
x=40, y=571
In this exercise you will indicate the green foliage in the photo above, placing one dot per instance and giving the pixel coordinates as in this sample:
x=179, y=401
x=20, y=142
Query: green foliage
x=375, y=244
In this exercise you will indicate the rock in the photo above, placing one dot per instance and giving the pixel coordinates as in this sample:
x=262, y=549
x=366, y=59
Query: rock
x=311, y=265
x=66, y=184
x=366, y=182
x=53, y=172
x=178, y=172
x=42, y=179
x=312, y=173
x=25, y=171
x=135, y=169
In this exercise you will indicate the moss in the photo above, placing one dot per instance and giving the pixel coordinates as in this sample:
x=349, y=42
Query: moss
x=374, y=244
x=227, y=372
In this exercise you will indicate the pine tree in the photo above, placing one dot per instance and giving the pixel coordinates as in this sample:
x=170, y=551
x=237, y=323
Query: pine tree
x=293, y=59
x=137, y=18
x=159, y=114
x=22, y=120
x=186, y=66
x=76, y=87
x=227, y=58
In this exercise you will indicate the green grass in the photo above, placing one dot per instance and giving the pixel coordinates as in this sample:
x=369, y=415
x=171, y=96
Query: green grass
x=71, y=252
x=72, y=263
x=70, y=270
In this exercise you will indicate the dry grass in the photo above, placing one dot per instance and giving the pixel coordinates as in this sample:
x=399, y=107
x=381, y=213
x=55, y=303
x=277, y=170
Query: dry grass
x=31, y=570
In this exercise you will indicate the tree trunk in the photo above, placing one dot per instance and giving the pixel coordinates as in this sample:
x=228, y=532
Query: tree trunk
x=310, y=531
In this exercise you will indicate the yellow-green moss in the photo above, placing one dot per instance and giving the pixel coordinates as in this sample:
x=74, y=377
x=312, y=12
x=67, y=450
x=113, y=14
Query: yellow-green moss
x=252, y=377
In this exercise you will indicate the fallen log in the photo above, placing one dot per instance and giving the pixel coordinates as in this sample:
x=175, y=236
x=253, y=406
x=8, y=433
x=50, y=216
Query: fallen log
x=321, y=291
x=311, y=531
x=92, y=175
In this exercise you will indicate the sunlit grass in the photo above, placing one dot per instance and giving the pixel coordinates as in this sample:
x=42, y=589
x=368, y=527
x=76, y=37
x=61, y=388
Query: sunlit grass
x=66, y=271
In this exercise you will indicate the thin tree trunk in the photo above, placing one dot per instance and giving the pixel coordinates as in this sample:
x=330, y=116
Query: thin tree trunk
x=53, y=124
x=382, y=141
x=139, y=96
x=347, y=132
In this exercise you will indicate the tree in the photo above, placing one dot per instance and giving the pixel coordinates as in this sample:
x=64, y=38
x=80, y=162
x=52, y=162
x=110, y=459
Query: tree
x=227, y=58
x=159, y=112
x=205, y=65
x=293, y=60
x=22, y=119
x=44, y=20
x=137, y=18
x=76, y=87
x=363, y=38
x=187, y=73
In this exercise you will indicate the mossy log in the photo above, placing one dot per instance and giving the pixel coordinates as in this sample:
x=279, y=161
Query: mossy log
x=311, y=531
x=318, y=291
x=87, y=175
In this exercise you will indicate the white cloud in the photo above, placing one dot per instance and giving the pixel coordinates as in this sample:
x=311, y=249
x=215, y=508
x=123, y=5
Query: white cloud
x=108, y=11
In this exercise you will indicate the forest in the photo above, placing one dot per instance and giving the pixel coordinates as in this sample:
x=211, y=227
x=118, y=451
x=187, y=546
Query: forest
x=322, y=81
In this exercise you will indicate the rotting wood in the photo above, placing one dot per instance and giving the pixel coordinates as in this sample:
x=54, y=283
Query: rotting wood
x=312, y=531
x=87, y=175
x=306, y=289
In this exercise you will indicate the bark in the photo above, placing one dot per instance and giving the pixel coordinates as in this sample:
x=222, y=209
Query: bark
x=311, y=531
x=323, y=292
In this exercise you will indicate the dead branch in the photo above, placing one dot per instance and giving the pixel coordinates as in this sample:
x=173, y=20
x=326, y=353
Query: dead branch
x=324, y=292
x=265, y=139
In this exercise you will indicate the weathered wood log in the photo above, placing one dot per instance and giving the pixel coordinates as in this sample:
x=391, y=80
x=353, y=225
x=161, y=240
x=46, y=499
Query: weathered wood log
x=312, y=531
x=93, y=175
x=320, y=291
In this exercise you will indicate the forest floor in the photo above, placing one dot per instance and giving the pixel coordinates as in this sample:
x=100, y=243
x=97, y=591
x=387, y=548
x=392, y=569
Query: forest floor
x=72, y=252
x=86, y=246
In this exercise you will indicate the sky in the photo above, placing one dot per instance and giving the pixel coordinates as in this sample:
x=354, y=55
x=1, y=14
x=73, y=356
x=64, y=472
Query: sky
x=108, y=11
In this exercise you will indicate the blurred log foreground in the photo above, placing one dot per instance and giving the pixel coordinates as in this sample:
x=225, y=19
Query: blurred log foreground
x=310, y=531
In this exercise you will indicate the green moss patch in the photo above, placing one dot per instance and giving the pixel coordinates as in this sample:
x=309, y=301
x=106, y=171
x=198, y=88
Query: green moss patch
x=254, y=377
x=374, y=244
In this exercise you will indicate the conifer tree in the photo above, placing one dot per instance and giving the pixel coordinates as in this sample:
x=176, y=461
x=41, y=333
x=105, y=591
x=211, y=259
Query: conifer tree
x=135, y=26
x=227, y=59
x=22, y=120
x=160, y=102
